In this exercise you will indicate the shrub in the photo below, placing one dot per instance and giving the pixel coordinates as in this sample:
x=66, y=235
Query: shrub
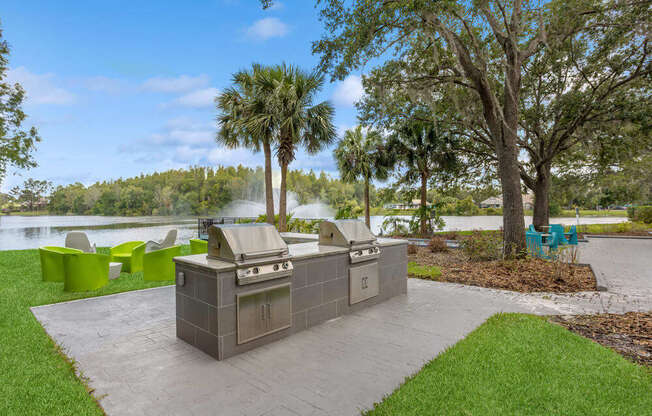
x=412, y=249
x=640, y=214
x=483, y=246
x=554, y=209
x=437, y=244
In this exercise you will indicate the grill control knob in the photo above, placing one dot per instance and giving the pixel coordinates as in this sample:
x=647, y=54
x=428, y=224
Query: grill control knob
x=285, y=265
x=359, y=253
x=275, y=267
x=255, y=270
x=371, y=251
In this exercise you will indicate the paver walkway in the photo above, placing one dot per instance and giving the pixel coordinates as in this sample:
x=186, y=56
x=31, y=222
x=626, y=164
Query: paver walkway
x=126, y=345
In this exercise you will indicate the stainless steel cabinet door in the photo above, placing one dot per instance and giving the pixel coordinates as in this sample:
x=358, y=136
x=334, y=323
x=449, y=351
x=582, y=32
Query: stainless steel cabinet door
x=363, y=282
x=263, y=311
x=280, y=308
x=252, y=316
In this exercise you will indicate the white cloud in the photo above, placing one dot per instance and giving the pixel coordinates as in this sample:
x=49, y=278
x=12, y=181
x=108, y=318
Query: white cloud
x=105, y=84
x=348, y=91
x=40, y=88
x=182, y=83
x=198, y=99
x=266, y=28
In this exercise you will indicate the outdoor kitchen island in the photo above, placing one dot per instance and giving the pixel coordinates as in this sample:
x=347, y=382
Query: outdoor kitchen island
x=224, y=308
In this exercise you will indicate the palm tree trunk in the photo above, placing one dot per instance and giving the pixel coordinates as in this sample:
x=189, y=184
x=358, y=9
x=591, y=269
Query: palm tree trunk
x=282, y=226
x=367, y=219
x=424, y=202
x=269, y=191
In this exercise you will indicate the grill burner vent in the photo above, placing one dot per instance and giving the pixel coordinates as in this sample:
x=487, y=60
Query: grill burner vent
x=257, y=250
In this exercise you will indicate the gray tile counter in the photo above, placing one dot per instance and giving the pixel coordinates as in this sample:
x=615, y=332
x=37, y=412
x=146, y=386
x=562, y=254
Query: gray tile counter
x=206, y=303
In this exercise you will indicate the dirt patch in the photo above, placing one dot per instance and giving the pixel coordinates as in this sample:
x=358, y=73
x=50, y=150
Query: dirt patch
x=630, y=334
x=526, y=275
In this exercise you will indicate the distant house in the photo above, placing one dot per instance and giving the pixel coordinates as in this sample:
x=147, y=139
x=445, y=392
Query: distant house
x=492, y=202
x=497, y=202
x=528, y=201
x=414, y=204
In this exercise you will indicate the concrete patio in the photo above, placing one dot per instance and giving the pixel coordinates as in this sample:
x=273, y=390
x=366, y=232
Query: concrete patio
x=126, y=345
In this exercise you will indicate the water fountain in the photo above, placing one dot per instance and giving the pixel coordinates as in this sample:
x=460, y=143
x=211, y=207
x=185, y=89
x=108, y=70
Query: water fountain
x=256, y=207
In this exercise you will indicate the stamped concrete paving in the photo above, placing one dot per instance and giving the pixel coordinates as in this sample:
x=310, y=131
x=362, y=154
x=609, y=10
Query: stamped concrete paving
x=625, y=263
x=126, y=345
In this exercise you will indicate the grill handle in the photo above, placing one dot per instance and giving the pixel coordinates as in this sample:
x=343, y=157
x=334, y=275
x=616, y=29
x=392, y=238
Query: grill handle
x=264, y=253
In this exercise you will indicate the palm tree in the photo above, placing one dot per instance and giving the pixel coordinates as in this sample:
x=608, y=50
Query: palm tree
x=423, y=149
x=363, y=156
x=245, y=120
x=291, y=92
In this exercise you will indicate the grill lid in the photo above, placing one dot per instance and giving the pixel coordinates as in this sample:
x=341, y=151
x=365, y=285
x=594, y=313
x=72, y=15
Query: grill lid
x=242, y=242
x=344, y=233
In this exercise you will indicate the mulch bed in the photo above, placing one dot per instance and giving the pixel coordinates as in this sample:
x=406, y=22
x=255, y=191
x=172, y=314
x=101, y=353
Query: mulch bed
x=526, y=275
x=630, y=334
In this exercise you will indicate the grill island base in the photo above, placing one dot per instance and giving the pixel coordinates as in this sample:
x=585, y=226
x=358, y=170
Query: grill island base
x=222, y=318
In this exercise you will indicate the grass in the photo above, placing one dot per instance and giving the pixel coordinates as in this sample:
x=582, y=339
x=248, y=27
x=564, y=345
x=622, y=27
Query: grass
x=428, y=272
x=522, y=365
x=623, y=227
x=36, y=378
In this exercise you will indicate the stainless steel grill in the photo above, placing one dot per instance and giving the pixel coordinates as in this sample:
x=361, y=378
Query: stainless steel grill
x=352, y=234
x=363, y=255
x=257, y=250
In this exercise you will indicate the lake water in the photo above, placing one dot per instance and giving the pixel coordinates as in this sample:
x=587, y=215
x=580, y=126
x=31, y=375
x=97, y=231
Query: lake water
x=18, y=232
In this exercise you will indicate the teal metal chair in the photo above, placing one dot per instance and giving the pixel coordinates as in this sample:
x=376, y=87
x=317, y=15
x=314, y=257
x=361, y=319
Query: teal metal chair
x=158, y=264
x=559, y=229
x=198, y=246
x=85, y=271
x=130, y=254
x=572, y=235
x=535, y=245
x=52, y=262
x=565, y=237
x=532, y=229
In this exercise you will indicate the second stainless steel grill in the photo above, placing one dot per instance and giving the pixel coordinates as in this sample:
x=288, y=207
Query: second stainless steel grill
x=364, y=252
x=257, y=250
x=352, y=234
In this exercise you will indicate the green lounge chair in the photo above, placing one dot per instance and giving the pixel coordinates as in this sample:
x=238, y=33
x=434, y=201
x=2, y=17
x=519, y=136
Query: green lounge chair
x=130, y=254
x=52, y=262
x=158, y=265
x=198, y=246
x=85, y=271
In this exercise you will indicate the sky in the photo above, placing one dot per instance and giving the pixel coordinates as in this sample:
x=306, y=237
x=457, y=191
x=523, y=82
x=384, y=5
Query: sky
x=121, y=88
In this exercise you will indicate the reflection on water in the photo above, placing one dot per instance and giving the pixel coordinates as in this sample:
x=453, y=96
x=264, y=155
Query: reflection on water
x=30, y=232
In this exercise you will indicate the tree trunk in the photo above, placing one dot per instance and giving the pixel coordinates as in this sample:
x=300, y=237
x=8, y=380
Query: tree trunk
x=367, y=218
x=282, y=220
x=508, y=167
x=424, y=201
x=541, y=215
x=269, y=191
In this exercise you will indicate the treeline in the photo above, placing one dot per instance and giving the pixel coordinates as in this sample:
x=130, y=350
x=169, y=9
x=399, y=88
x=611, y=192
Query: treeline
x=193, y=191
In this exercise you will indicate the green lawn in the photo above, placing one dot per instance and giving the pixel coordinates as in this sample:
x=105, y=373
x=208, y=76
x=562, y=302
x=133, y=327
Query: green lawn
x=522, y=365
x=36, y=378
x=428, y=272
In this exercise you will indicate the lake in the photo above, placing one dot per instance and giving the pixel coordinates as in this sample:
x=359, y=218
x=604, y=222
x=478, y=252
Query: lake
x=18, y=232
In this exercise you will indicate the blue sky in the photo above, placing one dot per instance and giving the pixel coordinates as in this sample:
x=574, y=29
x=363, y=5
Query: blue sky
x=119, y=88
